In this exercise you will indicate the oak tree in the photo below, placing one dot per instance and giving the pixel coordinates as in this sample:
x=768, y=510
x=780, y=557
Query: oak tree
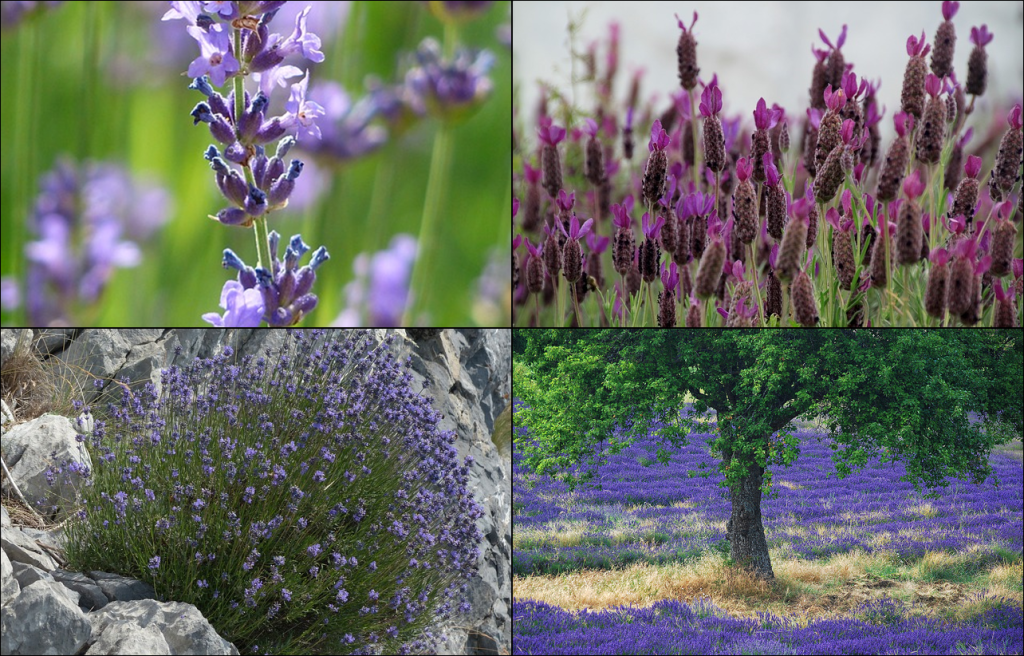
x=897, y=394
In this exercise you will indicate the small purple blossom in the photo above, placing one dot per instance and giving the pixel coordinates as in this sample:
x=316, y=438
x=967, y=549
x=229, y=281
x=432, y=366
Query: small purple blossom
x=154, y=562
x=303, y=113
x=244, y=307
x=216, y=59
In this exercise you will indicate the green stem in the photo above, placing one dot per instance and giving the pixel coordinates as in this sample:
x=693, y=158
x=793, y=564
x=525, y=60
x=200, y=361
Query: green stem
x=423, y=273
x=757, y=292
x=263, y=256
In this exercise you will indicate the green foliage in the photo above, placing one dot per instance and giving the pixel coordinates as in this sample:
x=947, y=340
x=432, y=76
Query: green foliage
x=907, y=391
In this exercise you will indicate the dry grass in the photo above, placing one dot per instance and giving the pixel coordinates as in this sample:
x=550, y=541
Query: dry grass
x=802, y=590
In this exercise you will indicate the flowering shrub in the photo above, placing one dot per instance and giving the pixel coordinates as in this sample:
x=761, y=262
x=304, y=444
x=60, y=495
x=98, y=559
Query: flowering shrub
x=304, y=502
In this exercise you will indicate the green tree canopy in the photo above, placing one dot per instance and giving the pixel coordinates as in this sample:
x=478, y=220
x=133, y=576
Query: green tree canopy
x=899, y=394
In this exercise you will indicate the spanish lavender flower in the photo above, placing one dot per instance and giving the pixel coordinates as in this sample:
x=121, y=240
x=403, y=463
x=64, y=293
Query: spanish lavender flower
x=1005, y=315
x=1003, y=240
x=380, y=293
x=622, y=252
x=831, y=124
x=805, y=307
x=286, y=288
x=966, y=197
x=775, y=199
x=1006, y=171
x=453, y=90
x=654, y=174
x=86, y=219
x=832, y=173
x=627, y=135
x=914, y=77
x=686, y=51
x=961, y=277
x=933, y=124
x=896, y=159
x=836, y=65
x=550, y=135
x=714, y=138
x=534, y=268
x=945, y=41
x=764, y=120
x=977, y=64
x=879, y=277
x=744, y=203
x=842, y=246
x=710, y=270
x=573, y=255
x=955, y=166
x=909, y=230
x=650, y=251
x=667, y=297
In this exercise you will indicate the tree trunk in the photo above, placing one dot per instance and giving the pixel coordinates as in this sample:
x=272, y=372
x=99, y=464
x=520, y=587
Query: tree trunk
x=745, y=531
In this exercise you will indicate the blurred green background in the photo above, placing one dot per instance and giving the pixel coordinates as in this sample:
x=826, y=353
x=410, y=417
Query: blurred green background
x=76, y=81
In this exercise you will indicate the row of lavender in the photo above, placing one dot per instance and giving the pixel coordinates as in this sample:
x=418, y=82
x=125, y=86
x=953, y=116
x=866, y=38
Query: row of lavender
x=673, y=627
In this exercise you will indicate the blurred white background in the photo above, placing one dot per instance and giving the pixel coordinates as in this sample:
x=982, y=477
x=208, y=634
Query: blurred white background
x=760, y=48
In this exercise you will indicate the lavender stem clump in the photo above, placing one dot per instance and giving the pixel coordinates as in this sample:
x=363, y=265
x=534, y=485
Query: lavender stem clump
x=304, y=501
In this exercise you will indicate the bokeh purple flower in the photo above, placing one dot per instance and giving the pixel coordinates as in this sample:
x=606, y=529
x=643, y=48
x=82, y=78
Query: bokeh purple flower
x=87, y=220
x=380, y=293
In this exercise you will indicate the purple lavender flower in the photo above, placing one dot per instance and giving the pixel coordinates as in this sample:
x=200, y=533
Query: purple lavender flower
x=154, y=562
x=84, y=219
x=286, y=288
x=452, y=90
x=380, y=293
x=216, y=59
x=302, y=113
x=244, y=307
x=346, y=132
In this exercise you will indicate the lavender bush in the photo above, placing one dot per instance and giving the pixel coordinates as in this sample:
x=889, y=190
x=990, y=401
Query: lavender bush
x=800, y=217
x=304, y=501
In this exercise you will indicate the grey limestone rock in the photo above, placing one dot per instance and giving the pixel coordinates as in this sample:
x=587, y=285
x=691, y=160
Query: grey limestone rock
x=29, y=449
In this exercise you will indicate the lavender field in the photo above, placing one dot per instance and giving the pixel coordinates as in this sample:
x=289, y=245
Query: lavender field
x=863, y=565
